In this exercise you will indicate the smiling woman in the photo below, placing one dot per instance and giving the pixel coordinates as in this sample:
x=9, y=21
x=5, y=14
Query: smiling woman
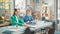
x=15, y=20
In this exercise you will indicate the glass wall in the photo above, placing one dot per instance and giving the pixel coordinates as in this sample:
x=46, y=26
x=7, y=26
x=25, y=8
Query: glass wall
x=20, y=5
x=58, y=9
x=4, y=5
x=58, y=15
x=5, y=8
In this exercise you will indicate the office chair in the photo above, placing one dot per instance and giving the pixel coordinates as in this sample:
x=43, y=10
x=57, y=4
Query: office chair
x=28, y=31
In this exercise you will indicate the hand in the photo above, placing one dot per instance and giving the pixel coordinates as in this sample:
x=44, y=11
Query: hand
x=25, y=24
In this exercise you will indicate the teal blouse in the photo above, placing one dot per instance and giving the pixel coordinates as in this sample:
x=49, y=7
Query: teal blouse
x=14, y=21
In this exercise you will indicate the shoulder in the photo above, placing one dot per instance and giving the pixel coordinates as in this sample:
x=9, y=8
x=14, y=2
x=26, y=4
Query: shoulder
x=30, y=16
x=24, y=16
x=12, y=17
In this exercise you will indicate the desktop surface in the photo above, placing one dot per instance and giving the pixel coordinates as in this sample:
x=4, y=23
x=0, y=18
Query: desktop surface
x=20, y=29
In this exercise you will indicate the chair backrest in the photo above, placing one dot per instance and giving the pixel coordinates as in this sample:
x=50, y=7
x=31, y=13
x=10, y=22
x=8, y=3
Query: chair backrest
x=28, y=31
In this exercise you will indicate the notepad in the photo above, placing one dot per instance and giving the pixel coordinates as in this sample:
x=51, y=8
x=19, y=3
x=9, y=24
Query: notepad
x=7, y=32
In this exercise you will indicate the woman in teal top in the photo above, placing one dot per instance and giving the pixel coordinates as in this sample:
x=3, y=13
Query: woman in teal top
x=16, y=20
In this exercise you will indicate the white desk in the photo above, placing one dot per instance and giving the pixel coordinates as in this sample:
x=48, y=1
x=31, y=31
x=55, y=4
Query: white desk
x=20, y=29
x=40, y=24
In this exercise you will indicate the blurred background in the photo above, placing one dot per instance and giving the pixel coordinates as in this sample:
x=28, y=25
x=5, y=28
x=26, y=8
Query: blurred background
x=53, y=9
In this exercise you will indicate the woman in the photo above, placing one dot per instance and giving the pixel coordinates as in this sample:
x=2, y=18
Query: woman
x=36, y=19
x=16, y=20
x=38, y=22
x=35, y=16
x=28, y=16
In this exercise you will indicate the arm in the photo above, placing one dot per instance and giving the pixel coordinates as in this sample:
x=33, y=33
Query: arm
x=13, y=21
x=21, y=22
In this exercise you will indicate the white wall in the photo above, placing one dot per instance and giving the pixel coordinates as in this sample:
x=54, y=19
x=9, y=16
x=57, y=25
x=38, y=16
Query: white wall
x=20, y=4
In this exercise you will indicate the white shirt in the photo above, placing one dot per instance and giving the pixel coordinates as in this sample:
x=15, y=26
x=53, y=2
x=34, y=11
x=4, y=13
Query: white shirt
x=16, y=18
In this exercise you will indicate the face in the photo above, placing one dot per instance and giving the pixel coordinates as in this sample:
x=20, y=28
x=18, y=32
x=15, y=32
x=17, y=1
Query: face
x=27, y=12
x=35, y=15
x=16, y=12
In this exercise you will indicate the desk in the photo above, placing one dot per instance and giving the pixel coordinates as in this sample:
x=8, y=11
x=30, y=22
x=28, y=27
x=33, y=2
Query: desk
x=20, y=29
x=5, y=23
x=41, y=24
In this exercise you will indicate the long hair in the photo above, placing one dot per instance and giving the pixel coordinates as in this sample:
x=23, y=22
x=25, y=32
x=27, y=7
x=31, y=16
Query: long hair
x=14, y=11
